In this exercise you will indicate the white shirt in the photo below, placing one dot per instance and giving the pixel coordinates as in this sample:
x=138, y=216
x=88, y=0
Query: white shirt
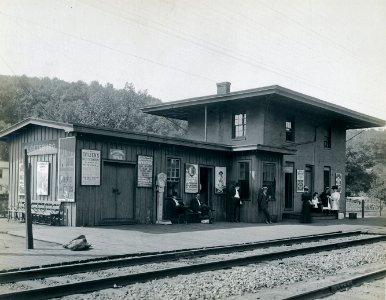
x=237, y=195
x=334, y=199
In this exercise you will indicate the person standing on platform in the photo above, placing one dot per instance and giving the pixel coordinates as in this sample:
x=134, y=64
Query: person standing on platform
x=334, y=200
x=236, y=203
x=306, y=206
x=262, y=200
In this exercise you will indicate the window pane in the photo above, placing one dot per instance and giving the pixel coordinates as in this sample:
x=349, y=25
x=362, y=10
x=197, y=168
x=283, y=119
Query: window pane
x=244, y=180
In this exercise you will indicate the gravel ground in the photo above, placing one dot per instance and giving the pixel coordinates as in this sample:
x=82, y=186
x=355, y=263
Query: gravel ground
x=249, y=279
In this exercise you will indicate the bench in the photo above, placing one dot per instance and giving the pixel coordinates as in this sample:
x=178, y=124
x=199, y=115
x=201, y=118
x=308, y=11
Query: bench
x=42, y=212
x=46, y=212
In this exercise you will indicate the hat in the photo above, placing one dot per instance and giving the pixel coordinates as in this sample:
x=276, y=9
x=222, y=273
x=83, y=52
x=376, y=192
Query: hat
x=335, y=187
x=327, y=187
x=265, y=187
x=306, y=188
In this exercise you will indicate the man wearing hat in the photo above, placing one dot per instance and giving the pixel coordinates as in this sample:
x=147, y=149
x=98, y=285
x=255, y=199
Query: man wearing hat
x=262, y=199
x=325, y=197
x=306, y=206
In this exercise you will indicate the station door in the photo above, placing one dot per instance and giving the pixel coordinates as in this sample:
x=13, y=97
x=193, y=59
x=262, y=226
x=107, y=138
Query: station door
x=118, y=182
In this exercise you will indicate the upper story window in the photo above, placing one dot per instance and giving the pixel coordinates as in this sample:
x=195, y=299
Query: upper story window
x=1, y=173
x=239, y=126
x=290, y=130
x=327, y=139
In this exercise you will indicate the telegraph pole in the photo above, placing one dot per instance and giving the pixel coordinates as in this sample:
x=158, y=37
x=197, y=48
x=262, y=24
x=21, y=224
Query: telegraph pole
x=28, y=215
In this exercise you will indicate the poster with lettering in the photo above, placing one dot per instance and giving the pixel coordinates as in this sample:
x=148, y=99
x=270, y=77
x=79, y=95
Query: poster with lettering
x=300, y=181
x=91, y=167
x=191, y=178
x=145, y=171
x=220, y=175
x=338, y=180
x=66, y=169
x=21, y=180
x=42, y=178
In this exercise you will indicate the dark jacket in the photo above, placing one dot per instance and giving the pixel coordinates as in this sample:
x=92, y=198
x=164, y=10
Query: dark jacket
x=194, y=205
x=262, y=200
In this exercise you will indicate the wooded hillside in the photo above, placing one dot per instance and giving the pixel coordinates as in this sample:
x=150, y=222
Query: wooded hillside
x=77, y=102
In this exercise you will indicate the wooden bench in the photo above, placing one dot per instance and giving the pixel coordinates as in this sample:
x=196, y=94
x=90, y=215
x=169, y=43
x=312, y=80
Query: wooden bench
x=45, y=212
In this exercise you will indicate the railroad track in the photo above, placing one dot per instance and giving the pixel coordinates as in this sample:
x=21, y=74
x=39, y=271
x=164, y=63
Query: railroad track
x=86, y=286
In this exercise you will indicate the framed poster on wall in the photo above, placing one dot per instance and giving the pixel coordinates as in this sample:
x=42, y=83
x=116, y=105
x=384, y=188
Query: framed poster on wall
x=300, y=181
x=42, y=178
x=220, y=179
x=91, y=167
x=338, y=180
x=145, y=171
x=66, y=169
x=191, y=178
x=21, y=180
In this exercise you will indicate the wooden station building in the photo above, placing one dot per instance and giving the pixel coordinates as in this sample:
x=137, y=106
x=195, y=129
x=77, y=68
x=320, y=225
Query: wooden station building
x=266, y=136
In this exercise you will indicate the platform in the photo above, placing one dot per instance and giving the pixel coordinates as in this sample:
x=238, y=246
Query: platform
x=131, y=239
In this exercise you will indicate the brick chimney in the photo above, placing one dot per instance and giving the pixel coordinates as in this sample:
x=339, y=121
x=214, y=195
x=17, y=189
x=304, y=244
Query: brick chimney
x=223, y=88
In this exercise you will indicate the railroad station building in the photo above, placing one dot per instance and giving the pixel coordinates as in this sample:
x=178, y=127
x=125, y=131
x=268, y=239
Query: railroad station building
x=269, y=136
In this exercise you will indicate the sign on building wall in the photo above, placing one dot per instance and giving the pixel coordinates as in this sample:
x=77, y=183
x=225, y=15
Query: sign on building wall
x=42, y=178
x=145, y=171
x=91, y=167
x=117, y=154
x=299, y=181
x=21, y=180
x=220, y=175
x=66, y=170
x=191, y=178
x=41, y=148
x=338, y=180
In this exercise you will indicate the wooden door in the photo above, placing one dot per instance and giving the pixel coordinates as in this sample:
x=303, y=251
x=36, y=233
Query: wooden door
x=118, y=187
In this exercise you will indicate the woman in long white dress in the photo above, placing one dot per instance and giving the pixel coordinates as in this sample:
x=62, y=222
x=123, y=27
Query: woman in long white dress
x=334, y=200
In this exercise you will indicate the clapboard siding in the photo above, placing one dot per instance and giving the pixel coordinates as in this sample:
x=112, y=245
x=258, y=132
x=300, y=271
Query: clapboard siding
x=27, y=135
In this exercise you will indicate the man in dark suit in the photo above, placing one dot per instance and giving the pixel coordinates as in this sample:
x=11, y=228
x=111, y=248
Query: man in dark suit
x=262, y=199
x=179, y=208
x=201, y=208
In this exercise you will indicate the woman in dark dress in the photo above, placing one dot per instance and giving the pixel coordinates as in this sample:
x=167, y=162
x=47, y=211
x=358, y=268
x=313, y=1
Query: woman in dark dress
x=306, y=207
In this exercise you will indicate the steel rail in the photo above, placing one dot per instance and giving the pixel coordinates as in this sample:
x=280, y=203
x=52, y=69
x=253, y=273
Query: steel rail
x=104, y=283
x=79, y=267
x=344, y=284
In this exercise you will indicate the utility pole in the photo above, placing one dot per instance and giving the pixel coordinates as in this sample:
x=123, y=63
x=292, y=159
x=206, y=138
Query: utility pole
x=28, y=215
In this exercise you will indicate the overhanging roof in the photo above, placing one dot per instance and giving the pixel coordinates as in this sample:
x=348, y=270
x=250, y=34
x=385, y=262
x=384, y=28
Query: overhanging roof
x=182, y=108
x=79, y=129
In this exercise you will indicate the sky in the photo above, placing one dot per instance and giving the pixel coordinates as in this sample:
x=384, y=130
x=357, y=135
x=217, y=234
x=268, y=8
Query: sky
x=334, y=50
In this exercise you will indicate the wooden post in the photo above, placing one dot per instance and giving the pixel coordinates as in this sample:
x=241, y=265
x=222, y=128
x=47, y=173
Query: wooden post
x=28, y=215
x=363, y=208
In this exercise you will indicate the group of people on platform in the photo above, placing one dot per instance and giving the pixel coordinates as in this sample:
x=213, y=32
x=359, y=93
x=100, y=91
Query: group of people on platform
x=196, y=206
x=325, y=203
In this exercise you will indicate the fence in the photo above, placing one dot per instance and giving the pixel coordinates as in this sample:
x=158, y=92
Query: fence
x=365, y=207
x=3, y=205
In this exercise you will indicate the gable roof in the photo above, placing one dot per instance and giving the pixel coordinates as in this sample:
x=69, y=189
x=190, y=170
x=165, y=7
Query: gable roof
x=130, y=135
x=181, y=109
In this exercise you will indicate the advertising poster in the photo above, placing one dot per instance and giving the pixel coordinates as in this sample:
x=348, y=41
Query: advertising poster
x=42, y=178
x=145, y=171
x=191, y=178
x=220, y=175
x=66, y=170
x=21, y=180
x=338, y=180
x=91, y=167
x=117, y=154
x=300, y=181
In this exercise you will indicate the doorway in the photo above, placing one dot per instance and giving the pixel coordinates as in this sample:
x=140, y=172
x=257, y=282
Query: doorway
x=309, y=178
x=118, y=189
x=289, y=185
x=206, y=185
